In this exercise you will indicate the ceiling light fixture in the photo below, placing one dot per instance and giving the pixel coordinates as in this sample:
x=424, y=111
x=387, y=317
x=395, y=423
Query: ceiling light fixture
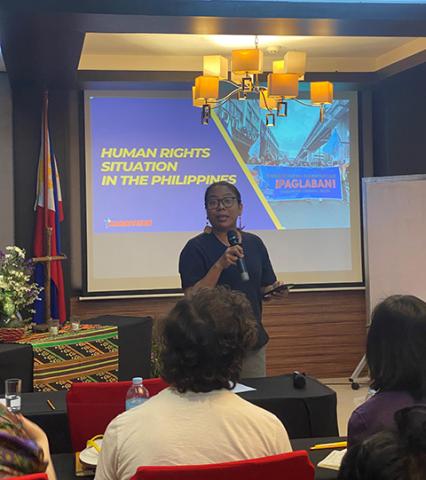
x=246, y=65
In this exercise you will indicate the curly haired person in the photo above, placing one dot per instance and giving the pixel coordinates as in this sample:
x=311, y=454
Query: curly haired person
x=198, y=419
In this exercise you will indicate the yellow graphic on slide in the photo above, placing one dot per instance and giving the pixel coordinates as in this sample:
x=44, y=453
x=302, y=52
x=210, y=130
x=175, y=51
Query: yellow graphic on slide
x=246, y=171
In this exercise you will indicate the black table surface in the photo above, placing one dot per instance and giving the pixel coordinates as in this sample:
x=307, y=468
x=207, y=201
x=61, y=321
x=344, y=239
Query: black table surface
x=65, y=466
x=308, y=412
x=53, y=422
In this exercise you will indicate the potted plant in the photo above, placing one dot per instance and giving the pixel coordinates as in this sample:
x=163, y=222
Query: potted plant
x=17, y=292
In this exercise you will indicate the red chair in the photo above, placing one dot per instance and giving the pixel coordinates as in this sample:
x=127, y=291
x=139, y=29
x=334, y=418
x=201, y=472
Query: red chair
x=288, y=466
x=91, y=407
x=33, y=476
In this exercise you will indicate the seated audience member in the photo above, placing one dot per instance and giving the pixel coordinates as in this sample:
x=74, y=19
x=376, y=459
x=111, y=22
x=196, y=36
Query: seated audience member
x=197, y=420
x=24, y=448
x=391, y=455
x=396, y=357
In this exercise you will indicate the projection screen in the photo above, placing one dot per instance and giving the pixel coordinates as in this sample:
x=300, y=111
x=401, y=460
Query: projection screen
x=149, y=161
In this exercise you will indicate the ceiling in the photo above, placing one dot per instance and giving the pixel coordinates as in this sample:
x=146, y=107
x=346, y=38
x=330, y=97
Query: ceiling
x=142, y=41
x=184, y=52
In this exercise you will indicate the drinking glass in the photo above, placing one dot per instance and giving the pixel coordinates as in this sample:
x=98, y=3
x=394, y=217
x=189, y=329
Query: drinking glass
x=75, y=324
x=13, y=389
x=54, y=327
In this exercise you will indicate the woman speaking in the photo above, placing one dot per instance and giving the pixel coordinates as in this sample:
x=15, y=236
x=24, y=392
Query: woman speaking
x=224, y=255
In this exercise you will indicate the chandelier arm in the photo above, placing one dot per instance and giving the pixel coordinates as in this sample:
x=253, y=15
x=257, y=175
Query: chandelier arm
x=303, y=103
x=256, y=80
x=235, y=84
x=262, y=92
x=223, y=100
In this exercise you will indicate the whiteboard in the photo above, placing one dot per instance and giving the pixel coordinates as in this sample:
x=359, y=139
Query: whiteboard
x=394, y=210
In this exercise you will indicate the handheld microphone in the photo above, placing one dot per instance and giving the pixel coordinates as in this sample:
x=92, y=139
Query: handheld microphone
x=233, y=240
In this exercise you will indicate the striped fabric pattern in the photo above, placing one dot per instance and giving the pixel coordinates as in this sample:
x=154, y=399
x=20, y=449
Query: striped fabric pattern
x=89, y=355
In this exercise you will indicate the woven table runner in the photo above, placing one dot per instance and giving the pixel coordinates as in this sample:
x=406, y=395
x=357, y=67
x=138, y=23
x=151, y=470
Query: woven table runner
x=88, y=355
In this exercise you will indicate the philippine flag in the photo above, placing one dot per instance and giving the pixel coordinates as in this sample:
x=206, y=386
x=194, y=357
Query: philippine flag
x=49, y=214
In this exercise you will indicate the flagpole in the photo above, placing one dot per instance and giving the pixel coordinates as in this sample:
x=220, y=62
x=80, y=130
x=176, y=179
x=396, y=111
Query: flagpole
x=47, y=228
x=46, y=234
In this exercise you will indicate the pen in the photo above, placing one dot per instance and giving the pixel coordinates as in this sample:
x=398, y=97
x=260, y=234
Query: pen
x=51, y=405
x=320, y=446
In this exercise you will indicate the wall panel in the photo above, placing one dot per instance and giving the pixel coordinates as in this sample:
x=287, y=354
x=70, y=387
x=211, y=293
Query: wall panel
x=320, y=333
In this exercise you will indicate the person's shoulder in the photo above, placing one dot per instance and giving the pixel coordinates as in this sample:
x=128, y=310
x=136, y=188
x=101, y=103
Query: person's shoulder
x=251, y=237
x=198, y=241
x=381, y=402
x=376, y=413
x=257, y=414
x=129, y=417
x=384, y=398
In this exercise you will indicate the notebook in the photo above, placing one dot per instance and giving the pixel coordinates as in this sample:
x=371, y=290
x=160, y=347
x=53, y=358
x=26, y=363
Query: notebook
x=333, y=460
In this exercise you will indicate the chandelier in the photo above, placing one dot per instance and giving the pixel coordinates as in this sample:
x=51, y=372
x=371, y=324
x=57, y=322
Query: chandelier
x=246, y=65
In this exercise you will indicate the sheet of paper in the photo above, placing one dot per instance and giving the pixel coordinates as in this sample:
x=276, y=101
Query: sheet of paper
x=333, y=460
x=3, y=401
x=239, y=388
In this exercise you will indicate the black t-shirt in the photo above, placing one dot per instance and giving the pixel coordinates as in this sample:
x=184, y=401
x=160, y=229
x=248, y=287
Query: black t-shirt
x=204, y=250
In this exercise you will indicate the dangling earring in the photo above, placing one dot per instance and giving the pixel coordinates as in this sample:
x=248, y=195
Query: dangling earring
x=240, y=227
x=207, y=228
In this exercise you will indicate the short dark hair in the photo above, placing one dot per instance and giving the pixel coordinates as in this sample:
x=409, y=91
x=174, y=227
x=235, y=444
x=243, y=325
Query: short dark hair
x=390, y=454
x=204, y=339
x=396, y=345
x=231, y=187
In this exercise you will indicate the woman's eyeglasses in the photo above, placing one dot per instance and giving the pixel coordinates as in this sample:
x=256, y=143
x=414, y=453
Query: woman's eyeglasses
x=213, y=203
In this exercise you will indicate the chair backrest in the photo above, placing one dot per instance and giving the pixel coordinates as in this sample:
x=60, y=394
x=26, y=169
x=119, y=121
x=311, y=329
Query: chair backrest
x=91, y=407
x=32, y=476
x=291, y=466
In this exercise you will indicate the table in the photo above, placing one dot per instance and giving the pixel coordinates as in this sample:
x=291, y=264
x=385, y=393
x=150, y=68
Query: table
x=16, y=361
x=53, y=422
x=317, y=455
x=307, y=412
x=89, y=354
x=134, y=347
x=64, y=462
x=134, y=344
x=310, y=412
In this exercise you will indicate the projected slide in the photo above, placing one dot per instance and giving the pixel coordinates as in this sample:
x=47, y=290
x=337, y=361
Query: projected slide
x=149, y=162
x=300, y=165
x=150, y=159
x=287, y=175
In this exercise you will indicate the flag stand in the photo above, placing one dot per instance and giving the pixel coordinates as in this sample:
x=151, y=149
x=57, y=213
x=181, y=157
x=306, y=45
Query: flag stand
x=47, y=259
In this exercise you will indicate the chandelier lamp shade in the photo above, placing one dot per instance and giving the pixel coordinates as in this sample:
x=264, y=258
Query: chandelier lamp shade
x=283, y=85
x=321, y=94
x=247, y=61
x=246, y=65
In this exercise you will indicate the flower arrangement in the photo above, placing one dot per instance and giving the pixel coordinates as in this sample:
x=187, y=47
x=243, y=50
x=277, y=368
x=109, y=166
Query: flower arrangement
x=17, y=291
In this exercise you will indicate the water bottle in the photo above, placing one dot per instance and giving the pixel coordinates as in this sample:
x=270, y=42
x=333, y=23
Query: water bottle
x=137, y=393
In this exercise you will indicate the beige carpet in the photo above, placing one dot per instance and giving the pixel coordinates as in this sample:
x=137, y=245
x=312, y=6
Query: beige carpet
x=347, y=399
